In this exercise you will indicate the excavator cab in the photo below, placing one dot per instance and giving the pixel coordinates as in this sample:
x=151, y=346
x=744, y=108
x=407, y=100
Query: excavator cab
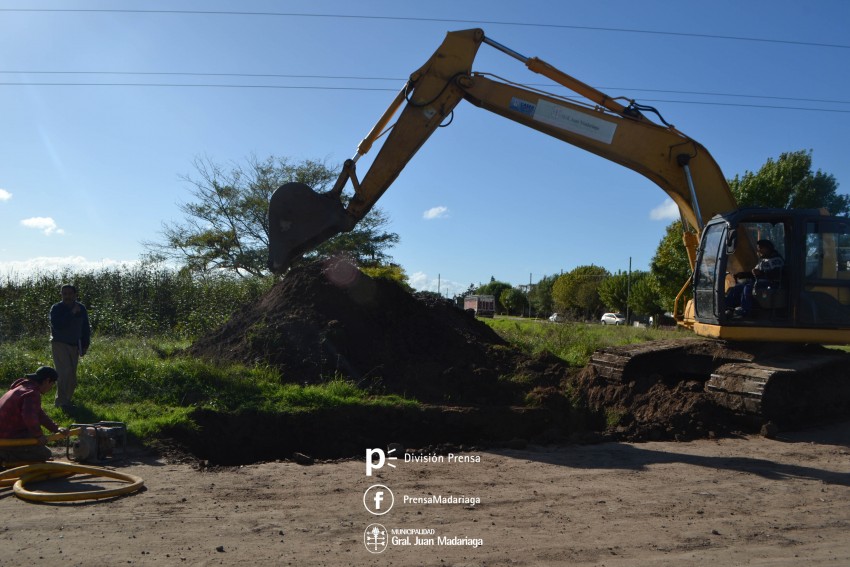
x=808, y=302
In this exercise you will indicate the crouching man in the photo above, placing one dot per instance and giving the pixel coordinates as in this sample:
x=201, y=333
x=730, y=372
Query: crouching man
x=21, y=417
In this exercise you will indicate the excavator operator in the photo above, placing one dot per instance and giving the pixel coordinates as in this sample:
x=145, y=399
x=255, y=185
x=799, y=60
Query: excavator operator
x=768, y=270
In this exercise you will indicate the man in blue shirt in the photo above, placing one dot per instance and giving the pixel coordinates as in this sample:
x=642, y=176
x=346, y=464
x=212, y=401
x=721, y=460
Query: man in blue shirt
x=70, y=335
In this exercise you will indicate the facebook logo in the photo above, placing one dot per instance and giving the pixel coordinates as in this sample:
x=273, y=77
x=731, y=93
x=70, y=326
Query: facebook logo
x=378, y=499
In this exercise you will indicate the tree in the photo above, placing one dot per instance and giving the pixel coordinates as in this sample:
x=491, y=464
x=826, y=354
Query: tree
x=790, y=183
x=670, y=266
x=645, y=296
x=578, y=291
x=226, y=224
x=390, y=272
x=367, y=244
x=637, y=292
x=614, y=291
x=513, y=300
x=786, y=182
x=540, y=296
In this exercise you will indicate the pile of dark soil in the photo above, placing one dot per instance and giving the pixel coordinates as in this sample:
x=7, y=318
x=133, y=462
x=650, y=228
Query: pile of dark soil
x=327, y=320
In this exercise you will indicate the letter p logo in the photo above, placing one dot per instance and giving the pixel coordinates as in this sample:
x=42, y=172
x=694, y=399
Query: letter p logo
x=371, y=464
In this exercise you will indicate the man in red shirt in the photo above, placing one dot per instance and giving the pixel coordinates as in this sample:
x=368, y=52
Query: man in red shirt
x=21, y=417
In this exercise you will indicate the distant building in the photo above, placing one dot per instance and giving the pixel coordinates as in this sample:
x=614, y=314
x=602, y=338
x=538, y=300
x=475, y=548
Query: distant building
x=481, y=305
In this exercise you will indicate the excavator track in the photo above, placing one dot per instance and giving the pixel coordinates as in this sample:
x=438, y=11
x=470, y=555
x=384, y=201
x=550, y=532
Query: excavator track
x=789, y=385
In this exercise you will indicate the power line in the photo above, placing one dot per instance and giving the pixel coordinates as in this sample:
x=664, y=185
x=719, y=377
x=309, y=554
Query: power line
x=195, y=74
x=441, y=20
x=331, y=88
x=380, y=89
x=360, y=78
x=199, y=85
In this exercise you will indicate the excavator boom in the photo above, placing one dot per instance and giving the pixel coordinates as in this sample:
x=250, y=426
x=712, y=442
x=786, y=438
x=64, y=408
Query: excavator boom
x=299, y=220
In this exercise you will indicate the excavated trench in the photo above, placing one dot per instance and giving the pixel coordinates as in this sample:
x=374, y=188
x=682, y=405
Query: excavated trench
x=326, y=320
x=234, y=439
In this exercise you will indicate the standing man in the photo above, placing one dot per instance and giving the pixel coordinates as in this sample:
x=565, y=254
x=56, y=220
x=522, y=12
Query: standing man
x=70, y=335
x=21, y=417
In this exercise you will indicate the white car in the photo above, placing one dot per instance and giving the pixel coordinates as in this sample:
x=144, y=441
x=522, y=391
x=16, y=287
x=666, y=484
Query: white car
x=556, y=318
x=613, y=319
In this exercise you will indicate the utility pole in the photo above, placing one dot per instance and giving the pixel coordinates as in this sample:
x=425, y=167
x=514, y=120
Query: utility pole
x=628, y=289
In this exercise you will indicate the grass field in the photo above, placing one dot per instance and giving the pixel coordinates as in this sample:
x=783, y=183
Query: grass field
x=149, y=385
x=572, y=342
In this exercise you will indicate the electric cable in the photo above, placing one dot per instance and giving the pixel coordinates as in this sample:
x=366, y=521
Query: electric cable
x=422, y=19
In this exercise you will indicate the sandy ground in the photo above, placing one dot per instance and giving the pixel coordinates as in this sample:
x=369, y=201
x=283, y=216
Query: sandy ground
x=741, y=501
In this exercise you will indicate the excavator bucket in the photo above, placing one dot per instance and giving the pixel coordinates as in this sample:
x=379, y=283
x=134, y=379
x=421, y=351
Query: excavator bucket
x=300, y=219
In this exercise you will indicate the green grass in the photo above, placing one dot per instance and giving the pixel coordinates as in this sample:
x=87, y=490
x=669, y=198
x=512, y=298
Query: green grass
x=144, y=384
x=572, y=342
x=149, y=385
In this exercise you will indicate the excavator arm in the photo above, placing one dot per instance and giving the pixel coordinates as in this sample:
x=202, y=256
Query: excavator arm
x=300, y=219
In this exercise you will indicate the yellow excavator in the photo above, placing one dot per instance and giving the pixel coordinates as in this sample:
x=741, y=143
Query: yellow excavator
x=809, y=303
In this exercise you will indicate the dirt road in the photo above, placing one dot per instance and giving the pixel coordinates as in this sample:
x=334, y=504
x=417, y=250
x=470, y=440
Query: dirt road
x=739, y=501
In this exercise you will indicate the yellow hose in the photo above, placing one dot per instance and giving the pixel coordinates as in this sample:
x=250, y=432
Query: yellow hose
x=11, y=480
x=43, y=471
x=34, y=441
x=18, y=477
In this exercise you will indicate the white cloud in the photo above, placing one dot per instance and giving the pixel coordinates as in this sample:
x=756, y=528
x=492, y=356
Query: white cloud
x=44, y=224
x=50, y=264
x=668, y=210
x=420, y=281
x=436, y=213
x=5, y=195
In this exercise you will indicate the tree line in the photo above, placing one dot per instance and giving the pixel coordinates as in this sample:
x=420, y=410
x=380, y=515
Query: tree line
x=220, y=251
x=585, y=292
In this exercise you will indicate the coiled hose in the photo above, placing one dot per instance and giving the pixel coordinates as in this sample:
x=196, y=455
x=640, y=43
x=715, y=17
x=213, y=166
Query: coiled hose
x=19, y=477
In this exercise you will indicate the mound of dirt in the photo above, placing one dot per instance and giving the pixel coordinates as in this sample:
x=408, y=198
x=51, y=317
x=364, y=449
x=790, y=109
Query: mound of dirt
x=327, y=320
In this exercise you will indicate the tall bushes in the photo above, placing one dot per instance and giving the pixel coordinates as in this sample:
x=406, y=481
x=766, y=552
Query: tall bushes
x=140, y=300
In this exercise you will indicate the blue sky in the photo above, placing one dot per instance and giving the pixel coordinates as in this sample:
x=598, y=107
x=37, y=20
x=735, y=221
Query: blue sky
x=92, y=160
